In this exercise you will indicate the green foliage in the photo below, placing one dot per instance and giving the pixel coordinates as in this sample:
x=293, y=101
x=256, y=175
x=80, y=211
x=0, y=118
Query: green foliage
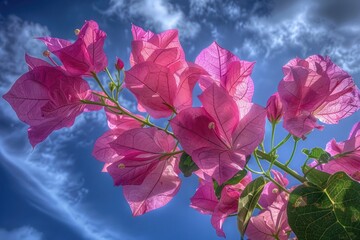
x=316, y=177
x=327, y=209
x=187, y=165
x=247, y=202
x=317, y=153
x=234, y=180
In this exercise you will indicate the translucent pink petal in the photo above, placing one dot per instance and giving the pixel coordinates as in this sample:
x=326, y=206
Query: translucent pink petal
x=102, y=150
x=349, y=162
x=204, y=199
x=133, y=169
x=55, y=44
x=223, y=109
x=315, y=88
x=250, y=131
x=191, y=126
x=220, y=164
x=186, y=75
x=238, y=82
x=157, y=189
x=271, y=191
x=33, y=62
x=145, y=43
x=85, y=55
x=197, y=134
x=145, y=51
x=154, y=87
x=147, y=141
x=47, y=99
x=271, y=222
x=139, y=33
x=228, y=204
x=216, y=61
x=121, y=121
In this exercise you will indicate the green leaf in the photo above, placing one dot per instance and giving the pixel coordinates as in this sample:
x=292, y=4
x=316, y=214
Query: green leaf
x=187, y=165
x=315, y=176
x=234, y=180
x=328, y=212
x=318, y=153
x=247, y=202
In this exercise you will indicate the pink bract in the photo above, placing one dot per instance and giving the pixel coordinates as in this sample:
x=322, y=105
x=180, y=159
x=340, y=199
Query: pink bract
x=146, y=42
x=271, y=223
x=162, y=90
x=219, y=135
x=206, y=202
x=145, y=168
x=271, y=191
x=226, y=70
x=316, y=88
x=85, y=55
x=47, y=99
x=349, y=159
x=160, y=77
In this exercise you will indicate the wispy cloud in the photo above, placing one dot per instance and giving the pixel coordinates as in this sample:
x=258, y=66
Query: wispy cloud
x=46, y=175
x=22, y=233
x=158, y=14
x=308, y=27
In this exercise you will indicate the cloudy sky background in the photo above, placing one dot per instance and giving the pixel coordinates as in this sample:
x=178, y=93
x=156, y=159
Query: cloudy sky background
x=56, y=191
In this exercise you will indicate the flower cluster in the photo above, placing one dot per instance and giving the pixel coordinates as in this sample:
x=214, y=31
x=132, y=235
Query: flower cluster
x=214, y=141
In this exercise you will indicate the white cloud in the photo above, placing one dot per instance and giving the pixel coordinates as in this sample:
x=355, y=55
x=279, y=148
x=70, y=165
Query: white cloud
x=160, y=14
x=46, y=176
x=300, y=26
x=22, y=233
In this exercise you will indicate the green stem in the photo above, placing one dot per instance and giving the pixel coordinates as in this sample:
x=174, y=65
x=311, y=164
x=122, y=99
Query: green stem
x=293, y=152
x=258, y=161
x=288, y=170
x=122, y=111
x=109, y=74
x=280, y=144
x=253, y=171
x=273, y=127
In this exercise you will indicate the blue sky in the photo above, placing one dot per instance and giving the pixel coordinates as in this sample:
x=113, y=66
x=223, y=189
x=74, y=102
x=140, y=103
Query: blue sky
x=57, y=190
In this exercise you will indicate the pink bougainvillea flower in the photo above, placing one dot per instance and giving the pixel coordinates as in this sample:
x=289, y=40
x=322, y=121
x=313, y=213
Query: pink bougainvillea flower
x=146, y=168
x=160, y=77
x=347, y=155
x=206, y=202
x=47, y=99
x=219, y=135
x=271, y=191
x=271, y=223
x=274, y=108
x=147, y=44
x=85, y=55
x=316, y=88
x=228, y=203
x=160, y=90
x=226, y=70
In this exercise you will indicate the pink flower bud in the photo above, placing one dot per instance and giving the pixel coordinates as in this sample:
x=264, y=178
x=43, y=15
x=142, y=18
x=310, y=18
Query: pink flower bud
x=119, y=65
x=274, y=108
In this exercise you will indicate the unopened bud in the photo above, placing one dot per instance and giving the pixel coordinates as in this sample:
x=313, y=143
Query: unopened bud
x=46, y=53
x=112, y=86
x=274, y=108
x=77, y=31
x=119, y=65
